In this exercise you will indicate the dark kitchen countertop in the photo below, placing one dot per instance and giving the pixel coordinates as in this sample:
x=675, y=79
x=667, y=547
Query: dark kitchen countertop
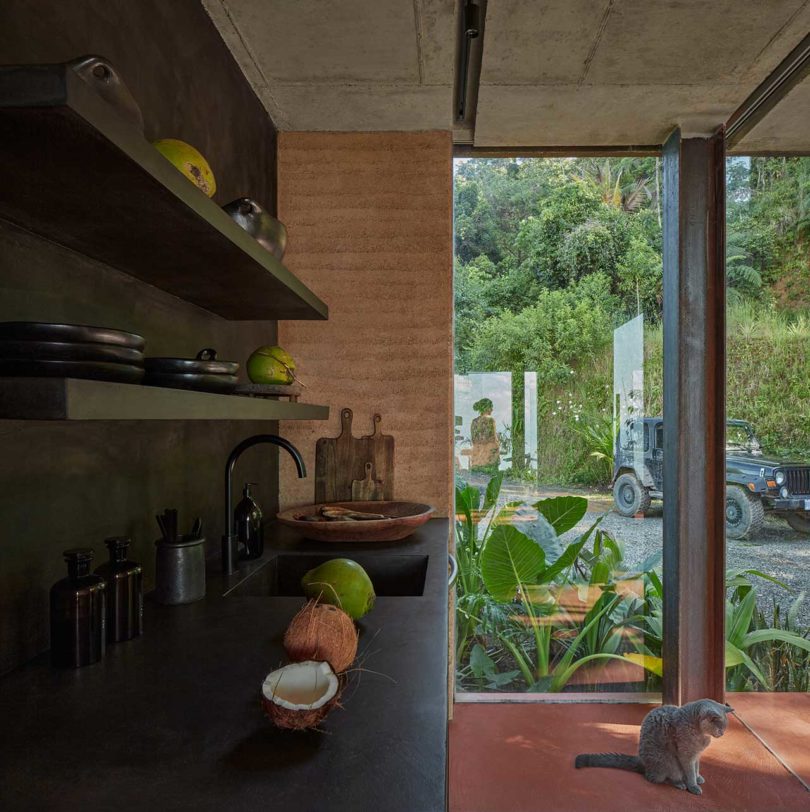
x=171, y=721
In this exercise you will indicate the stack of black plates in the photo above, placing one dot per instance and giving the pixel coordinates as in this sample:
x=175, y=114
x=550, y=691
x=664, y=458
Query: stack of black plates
x=203, y=373
x=40, y=349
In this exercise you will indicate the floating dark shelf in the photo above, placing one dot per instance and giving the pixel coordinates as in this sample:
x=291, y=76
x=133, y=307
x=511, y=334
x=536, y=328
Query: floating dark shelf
x=79, y=399
x=79, y=175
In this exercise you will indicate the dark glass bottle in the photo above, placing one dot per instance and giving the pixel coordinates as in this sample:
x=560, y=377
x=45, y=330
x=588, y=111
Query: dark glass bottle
x=124, y=592
x=248, y=520
x=78, y=634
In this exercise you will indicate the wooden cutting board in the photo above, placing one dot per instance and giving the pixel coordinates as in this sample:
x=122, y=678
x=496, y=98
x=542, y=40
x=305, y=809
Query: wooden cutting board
x=381, y=455
x=341, y=460
x=335, y=466
x=368, y=489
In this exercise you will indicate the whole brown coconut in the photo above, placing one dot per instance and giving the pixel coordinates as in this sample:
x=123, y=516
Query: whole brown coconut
x=321, y=631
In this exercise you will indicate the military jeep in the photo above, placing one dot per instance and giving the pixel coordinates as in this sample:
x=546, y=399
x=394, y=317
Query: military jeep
x=755, y=484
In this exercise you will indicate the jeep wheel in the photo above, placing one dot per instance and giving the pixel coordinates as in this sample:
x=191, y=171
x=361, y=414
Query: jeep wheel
x=744, y=512
x=800, y=522
x=630, y=496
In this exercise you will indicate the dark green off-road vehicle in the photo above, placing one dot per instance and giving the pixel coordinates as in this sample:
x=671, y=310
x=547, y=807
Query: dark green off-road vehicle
x=755, y=483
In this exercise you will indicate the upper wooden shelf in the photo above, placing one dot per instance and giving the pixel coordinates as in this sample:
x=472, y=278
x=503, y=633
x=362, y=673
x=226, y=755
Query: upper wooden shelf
x=78, y=174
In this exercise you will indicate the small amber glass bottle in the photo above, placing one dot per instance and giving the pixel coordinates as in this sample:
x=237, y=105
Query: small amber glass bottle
x=124, y=580
x=78, y=620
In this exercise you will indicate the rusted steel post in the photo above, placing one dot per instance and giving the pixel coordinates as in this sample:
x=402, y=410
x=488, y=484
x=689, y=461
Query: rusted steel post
x=694, y=417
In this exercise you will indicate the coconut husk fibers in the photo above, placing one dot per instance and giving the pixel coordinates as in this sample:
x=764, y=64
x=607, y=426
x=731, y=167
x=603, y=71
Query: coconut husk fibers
x=322, y=632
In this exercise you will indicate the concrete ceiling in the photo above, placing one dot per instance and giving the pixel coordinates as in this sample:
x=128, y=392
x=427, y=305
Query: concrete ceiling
x=593, y=72
x=553, y=72
x=345, y=64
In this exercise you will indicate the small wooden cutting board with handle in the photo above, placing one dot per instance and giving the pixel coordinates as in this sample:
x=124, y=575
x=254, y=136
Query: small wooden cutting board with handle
x=335, y=465
x=368, y=489
x=341, y=460
x=381, y=455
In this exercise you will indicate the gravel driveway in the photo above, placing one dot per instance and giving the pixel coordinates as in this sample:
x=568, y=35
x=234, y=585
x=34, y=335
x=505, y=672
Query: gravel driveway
x=777, y=550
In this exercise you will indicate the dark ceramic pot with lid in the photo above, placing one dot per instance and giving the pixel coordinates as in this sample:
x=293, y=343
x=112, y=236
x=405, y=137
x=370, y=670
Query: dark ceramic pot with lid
x=204, y=373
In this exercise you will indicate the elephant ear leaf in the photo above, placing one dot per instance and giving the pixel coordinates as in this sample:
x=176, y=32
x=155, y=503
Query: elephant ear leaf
x=563, y=512
x=509, y=559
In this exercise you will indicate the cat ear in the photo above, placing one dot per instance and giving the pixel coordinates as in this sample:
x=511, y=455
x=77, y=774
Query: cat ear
x=728, y=709
x=713, y=710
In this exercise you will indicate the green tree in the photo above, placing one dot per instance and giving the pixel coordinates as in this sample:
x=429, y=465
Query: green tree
x=551, y=336
x=640, y=279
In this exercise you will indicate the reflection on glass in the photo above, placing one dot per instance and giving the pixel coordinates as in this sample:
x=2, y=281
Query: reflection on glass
x=486, y=450
x=483, y=408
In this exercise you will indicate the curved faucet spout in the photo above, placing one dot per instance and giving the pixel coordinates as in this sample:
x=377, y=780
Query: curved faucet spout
x=229, y=541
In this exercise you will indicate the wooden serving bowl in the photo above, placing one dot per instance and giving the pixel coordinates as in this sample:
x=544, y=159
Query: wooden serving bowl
x=405, y=517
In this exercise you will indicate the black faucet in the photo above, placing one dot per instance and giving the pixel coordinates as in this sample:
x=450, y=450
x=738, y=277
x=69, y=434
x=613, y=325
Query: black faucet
x=230, y=543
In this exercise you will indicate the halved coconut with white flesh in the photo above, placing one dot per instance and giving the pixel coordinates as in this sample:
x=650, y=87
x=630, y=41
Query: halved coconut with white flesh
x=298, y=696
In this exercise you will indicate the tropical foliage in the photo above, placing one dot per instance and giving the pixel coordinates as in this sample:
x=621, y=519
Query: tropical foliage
x=536, y=614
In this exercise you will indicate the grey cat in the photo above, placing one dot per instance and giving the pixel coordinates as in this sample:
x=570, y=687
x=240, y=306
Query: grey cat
x=669, y=744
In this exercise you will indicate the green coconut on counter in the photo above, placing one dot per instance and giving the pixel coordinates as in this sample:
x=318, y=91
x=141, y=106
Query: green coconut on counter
x=341, y=582
x=271, y=365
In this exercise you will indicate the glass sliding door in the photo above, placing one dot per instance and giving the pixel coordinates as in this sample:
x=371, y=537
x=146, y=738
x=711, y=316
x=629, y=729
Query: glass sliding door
x=768, y=433
x=558, y=426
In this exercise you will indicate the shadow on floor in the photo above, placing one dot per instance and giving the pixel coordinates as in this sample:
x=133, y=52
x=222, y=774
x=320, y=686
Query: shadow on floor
x=520, y=758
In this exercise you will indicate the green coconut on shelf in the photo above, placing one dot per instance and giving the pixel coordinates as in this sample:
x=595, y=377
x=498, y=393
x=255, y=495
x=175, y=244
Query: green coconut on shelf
x=271, y=365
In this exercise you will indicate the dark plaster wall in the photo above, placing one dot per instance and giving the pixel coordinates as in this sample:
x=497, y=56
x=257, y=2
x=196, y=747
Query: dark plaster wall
x=180, y=72
x=68, y=484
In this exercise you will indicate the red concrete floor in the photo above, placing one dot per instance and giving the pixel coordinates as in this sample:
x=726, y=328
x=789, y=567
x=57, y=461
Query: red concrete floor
x=782, y=723
x=520, y=758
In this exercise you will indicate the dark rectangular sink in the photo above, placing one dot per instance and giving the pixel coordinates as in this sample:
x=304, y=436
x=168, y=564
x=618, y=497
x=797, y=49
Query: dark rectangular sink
x=391, y=575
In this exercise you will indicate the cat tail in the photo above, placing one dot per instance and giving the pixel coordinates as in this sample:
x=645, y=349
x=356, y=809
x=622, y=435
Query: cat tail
x=618, y=760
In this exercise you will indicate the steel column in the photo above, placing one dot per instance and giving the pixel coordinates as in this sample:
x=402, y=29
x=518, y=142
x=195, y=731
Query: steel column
x=694, y=417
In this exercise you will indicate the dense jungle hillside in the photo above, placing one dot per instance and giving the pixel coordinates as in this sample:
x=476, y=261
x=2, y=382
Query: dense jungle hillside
x=553, y=254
